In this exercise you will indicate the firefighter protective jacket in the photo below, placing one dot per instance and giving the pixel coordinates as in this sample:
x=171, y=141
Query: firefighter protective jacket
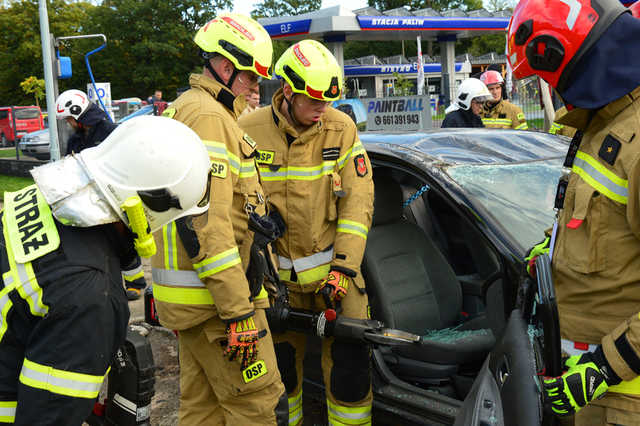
x=63, y=312
x=197, y=276
x=561, y=129
x=321, y=183
x=596, y=262
x=503, y=115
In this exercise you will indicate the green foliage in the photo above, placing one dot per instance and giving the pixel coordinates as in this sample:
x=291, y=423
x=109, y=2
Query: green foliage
x=402, y=85
x=271, y=8
x=149, y=44
x=35, y=86
x=383, y=5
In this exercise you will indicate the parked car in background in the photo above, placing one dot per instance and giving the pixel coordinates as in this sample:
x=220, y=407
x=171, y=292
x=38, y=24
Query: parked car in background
x=26, y=118
x=36, y=144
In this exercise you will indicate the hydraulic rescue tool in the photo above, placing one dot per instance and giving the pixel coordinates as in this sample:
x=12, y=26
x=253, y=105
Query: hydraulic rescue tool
x=282, y=317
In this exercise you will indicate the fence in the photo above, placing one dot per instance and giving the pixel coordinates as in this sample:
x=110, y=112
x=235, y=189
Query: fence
x=525, y=94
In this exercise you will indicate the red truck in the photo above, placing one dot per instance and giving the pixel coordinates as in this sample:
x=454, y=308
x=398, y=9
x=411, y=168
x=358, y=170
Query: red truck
x=26, y=118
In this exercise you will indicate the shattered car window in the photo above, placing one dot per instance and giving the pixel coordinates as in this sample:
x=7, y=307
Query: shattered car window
x=520, y=196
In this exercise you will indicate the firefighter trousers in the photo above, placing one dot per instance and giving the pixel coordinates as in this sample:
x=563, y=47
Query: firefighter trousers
x=346, y=366
x=215, y=391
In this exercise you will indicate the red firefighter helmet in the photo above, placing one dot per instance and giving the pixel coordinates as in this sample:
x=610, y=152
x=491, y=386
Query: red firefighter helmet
x=491, y=77
x=635, y=9
x=548, y=37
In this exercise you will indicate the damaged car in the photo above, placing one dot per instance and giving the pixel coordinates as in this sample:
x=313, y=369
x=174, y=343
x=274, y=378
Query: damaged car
x=455, y=212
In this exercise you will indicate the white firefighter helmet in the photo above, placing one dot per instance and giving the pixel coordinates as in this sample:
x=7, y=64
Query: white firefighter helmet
x=470, y=89
x=157, y=158
x=71, y=103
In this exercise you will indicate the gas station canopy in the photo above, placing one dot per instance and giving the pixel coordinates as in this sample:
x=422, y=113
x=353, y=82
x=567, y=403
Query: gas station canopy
x=338, y=24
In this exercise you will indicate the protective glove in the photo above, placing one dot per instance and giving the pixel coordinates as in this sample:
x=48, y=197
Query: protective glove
x=537, y=250
x=337, y=282
x=242, y=337
x=588, y=377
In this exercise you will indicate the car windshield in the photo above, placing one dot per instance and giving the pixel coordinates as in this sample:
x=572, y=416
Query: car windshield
x=520, y=196
x=27, y=113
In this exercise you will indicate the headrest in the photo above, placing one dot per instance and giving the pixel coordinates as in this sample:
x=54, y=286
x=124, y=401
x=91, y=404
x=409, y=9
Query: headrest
x=387, y=204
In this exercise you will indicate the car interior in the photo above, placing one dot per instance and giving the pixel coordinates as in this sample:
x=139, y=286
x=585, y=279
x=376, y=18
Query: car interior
x=427, y=269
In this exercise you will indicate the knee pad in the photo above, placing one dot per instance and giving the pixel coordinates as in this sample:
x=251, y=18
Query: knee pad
x=351, y=371
x=286, y=357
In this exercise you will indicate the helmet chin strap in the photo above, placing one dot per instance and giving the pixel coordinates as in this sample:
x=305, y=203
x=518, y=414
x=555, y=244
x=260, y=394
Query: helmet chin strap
x=228, y=84
x=295, y=123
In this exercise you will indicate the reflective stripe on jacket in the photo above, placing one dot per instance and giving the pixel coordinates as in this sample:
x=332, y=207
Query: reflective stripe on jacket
x=504, y=115
x=321, y=183
x=188, y=291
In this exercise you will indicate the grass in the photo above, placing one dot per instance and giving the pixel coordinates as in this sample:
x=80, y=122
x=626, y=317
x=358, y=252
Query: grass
x=8, y=153
x=13, y=183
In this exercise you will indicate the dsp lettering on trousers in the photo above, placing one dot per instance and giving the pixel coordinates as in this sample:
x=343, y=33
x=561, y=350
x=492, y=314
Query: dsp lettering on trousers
x=255, y=370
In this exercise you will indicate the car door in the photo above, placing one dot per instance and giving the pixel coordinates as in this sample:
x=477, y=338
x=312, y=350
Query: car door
x=508, y=388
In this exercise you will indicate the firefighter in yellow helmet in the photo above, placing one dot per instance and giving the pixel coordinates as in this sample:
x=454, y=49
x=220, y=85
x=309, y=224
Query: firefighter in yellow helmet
x=316, y=172
x=499, y=113
x=228, y=369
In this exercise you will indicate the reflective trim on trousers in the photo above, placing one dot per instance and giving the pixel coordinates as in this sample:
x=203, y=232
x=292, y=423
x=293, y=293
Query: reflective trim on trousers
x=631, y=387
x=77, y=385
x=523, y=126
x=341, y=415
x=8, y=411
x=352, y=227
x=133, y=274
x=217, y=263
x=295, y=408
x=601, y=178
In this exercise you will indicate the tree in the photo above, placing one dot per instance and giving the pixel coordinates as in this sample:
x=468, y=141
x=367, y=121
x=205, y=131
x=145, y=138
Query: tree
x=35, y=86
x=272, y=8
x=402, y=86
x=20, y=46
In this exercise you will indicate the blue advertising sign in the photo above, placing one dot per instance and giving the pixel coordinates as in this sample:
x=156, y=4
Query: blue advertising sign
x=389, y=23
x=288, y=28
x=355, y=70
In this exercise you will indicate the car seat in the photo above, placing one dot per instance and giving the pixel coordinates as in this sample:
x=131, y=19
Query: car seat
x=413, y=288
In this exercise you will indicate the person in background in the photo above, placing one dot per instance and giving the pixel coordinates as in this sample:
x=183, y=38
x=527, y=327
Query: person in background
x=498, y=113
x=156, y=97
x=465, y=110
x=63, y=240
x=92, y=126
x=588, y=52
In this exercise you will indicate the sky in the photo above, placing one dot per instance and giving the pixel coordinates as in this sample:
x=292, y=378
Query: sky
x=246, y=6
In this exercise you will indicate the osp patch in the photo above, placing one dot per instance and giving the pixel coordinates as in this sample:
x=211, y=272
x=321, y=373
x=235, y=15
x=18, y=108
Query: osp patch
x=265, y=157
x=255, y=370
x=219, y=169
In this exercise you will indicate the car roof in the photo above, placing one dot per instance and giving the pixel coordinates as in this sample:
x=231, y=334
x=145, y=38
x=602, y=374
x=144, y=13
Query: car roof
x=455, y=146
